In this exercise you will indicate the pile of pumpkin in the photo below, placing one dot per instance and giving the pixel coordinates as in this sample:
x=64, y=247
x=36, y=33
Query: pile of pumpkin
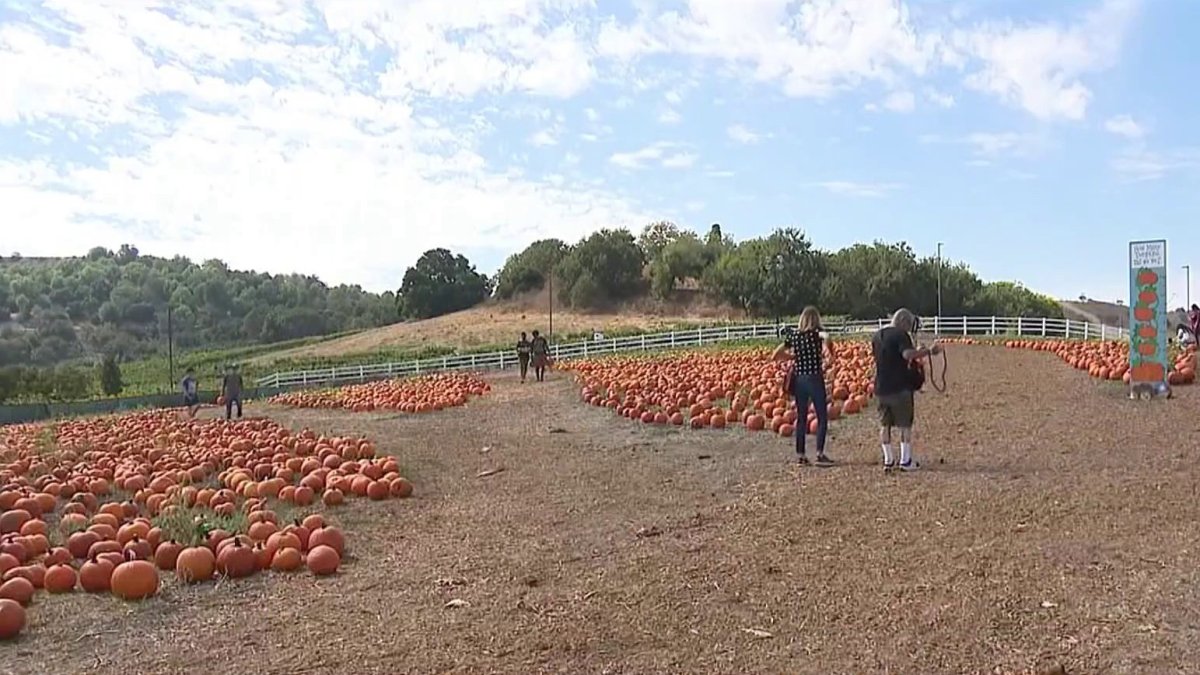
x=1109, y=359
x=421, y=394
x=104, y=504
x=717, y=389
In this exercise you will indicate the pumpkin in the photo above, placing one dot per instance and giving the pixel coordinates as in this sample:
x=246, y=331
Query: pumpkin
x=138, y=548
x=34, y=574
x=8, y=561
x=286, y=560
x=58, y=556
x=323, y=560
x=80, y=543
x=12, y=619
x=195, y=564
x=167, y=554
x=134, y=579
x=12, y=520
x=95, y=575
x=18, y=589
x=60, y=579
x=328, y=536
x=236, y=560
x=15, y=548
x=401, y=488
x=420, y=394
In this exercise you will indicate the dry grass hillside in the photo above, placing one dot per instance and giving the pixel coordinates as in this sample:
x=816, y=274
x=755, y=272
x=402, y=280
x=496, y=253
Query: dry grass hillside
x=1110, y=313
x=496, y=323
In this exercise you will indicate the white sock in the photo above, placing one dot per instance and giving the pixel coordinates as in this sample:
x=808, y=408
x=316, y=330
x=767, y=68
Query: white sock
x=905, y=452
x=887, y=453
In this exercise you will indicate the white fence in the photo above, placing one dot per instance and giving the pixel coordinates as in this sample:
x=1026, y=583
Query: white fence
x=959, y=325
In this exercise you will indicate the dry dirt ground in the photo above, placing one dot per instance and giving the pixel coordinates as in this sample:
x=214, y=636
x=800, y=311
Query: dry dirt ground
x=1054, y=523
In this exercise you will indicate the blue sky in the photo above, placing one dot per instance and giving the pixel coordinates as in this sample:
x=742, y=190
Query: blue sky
x=344, y=138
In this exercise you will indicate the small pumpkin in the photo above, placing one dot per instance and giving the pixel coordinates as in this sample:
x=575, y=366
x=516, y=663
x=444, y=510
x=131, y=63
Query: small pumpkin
x=58, y=556
x=236, y=560
x=134, y=579
x=287, y=560
x=195, y=564
x=166, y=554
x=7, y=562
x=81, y=542
x=323, y=560
x=95, y=575
x=139, y=548
x=60, y=579
x=18, y=589
x=330, y=536
x=12, y=619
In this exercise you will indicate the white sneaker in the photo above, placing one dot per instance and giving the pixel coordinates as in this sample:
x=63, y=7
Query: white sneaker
x=911, y=465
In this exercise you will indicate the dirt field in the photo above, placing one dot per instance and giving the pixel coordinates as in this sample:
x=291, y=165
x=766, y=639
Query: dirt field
x=1053, y=522
x=498, y=324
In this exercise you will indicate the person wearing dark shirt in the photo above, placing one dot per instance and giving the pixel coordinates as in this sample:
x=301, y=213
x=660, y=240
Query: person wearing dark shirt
x=895, y=353
x=1194, y=322
x=191, y=392
x=523, y=352
x=541, y=355
x=805, y=347
x=231, y=389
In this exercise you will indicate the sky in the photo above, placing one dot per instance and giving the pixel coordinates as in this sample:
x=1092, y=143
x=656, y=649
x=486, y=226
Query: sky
x=342, y=138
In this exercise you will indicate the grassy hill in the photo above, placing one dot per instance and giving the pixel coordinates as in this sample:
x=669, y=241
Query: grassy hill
x=499, y=323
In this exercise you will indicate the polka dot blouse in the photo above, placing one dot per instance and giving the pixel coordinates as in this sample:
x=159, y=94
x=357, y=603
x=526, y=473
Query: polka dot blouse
x=806, y=350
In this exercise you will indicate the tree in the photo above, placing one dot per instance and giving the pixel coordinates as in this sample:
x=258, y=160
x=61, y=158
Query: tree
x=683, y=258
x=779, y=274
x=440, y=283
x=613, y=260
x=529, y=269
x=109, y=376
x=657, y=236
x=870, y=281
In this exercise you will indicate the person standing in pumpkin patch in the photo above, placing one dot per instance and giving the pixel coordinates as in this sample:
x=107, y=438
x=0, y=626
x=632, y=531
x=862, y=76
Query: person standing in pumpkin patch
x=541, y=355
x=523, y=352
x=804, y=347
x=894, y=352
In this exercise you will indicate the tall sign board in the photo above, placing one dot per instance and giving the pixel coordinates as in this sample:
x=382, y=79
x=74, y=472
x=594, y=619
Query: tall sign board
x=1149, y=362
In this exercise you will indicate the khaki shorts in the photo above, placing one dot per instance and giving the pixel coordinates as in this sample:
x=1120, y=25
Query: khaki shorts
x=896, y=410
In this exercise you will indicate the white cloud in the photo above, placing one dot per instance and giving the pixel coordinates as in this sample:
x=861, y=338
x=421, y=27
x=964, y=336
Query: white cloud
x=283, y=158
x=670, y=116
x=1141, y=164
x=994, y=144
x=1039, y=66
x=853, y=189
x=740, y=134
x=673, y=97
x=900, y=101
x=664, y=154
x=1124, y=125
x=544, y=137
x=591, y=114
x=940, y=99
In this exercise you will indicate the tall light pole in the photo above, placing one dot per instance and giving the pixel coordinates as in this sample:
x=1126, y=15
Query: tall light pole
x=939, y=282
x=550, y=286
x=775, y=295
x=1187, y=291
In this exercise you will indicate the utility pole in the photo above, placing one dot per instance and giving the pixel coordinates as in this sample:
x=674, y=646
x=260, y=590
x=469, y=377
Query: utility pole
x=938, y=321
x=170, y=351
x=775, y=295
x=1187, y=291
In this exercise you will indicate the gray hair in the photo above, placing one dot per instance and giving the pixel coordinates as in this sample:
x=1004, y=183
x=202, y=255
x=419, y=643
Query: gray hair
x=904, y=319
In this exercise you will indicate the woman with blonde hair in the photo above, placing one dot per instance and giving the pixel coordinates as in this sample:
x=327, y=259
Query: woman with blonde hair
x=807, y=346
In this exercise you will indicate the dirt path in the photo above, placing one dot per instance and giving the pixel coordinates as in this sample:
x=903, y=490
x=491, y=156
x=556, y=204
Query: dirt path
x=1055, y=523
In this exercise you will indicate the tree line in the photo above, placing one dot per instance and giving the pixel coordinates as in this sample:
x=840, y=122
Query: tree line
x=115, y=303
x=777, y=274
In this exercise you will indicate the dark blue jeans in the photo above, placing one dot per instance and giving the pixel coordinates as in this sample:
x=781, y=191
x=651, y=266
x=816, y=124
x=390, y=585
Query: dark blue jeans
x=806, y=389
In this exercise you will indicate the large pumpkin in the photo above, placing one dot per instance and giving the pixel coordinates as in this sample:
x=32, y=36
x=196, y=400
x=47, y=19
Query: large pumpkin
x=323, y=560
x=195, y=564
x=12, y=619
x=134, y=579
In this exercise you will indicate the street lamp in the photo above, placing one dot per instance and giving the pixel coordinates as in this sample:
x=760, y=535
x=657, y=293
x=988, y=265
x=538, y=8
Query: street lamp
x=1187, y=291
x=939, y=285
x=778, y=265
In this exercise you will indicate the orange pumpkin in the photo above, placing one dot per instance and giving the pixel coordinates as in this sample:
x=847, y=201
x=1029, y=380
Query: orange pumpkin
x=12, y=619
x=60, y=579
x=134, y=579
x=195, y=564
x=323, y=560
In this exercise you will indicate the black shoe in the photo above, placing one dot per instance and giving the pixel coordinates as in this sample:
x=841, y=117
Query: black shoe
x=888, y=467
x=802, y=460
x=824, y=460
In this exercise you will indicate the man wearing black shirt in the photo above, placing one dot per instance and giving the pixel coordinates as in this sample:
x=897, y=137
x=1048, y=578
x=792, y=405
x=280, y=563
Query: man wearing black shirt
x=523, y=351
x=894, y=353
